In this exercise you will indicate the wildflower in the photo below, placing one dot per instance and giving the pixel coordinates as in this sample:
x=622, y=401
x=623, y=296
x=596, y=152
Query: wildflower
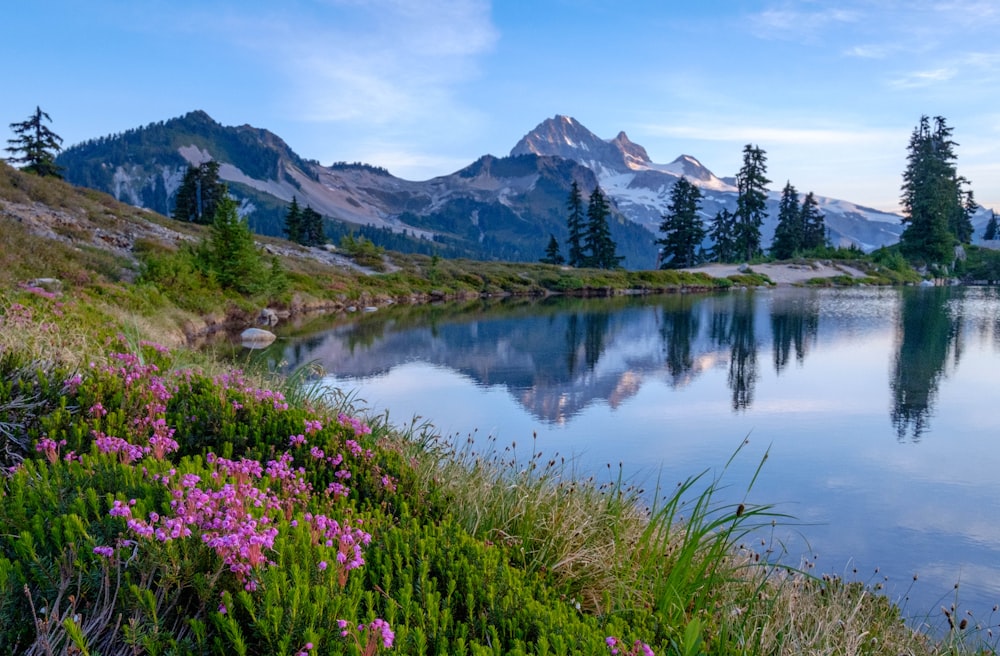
x=105, y=551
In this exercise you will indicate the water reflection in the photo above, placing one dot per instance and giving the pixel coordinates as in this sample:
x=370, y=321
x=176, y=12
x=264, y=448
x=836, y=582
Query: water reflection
x=929, y=331
x=559, y=356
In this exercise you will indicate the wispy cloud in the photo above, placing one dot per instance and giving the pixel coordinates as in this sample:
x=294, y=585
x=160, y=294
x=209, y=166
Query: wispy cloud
x=788, y=22
x=772, y=135
x=374, y=62
x=919, y=79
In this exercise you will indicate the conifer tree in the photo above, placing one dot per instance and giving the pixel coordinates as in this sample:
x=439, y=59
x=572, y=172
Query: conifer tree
x=934, y=211
x=681, y=226
x=552, y=254
x=293, y=221
x=813, y=224
x=992, y=230
x=200, y=193
x=232, y=254
x=35, y=145
x=575, y=225
x=751, y=203
x=721, y=233
x=790, y=232
x=599, y=248
x=311, y=231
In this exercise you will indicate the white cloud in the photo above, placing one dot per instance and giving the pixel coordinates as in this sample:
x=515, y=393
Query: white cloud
x=919, y=79
x=709, y=131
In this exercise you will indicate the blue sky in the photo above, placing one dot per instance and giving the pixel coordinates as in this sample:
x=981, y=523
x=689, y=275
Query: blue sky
x=830, y=90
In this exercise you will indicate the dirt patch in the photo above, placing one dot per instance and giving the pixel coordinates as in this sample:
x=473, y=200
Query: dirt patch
x=783, y=274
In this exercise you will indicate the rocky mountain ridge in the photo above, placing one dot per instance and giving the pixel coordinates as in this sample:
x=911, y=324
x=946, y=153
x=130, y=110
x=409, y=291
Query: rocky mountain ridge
x=495, y=208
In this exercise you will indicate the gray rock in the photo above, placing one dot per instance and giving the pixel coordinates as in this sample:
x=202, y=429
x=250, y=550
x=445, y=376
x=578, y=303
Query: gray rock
x=257, y=337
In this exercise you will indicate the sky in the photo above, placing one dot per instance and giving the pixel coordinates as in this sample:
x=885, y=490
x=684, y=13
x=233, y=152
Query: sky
x=831, y=91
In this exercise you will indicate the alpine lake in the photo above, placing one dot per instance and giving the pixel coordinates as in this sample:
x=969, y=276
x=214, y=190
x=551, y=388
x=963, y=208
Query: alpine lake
x=877, y=410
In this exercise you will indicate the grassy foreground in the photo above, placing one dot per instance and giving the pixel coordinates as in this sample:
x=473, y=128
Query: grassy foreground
x=154, y=502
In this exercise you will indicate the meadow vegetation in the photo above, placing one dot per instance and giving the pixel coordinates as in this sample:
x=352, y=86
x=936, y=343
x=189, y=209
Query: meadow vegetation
x=155, y=501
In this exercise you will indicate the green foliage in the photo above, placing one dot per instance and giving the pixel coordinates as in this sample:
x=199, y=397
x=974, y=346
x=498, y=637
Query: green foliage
x=992, y=229
x=552, y=254
x=35, y=145
x=231, y=254
x=789, y=233
x=575, y=226
x=200, y=194
x=722, y=232
x=751, y=203
x=682, y=227
x=599, y=247
x=935, y=211
x=364, y=252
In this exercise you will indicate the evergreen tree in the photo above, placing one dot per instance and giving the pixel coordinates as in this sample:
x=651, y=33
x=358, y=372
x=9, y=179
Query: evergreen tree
x=293, y=221
x=599, y=248
x=200, y=193
x=963, y=226
x=933, y=210
x=992, y=230
x=552, y=254
x=681, y=226
x=575, y=226
x=311, y=233
x=35, y=145
x=790, y=232
x=751, y=204
x=232, y=254
x=813, y=224
x=721, y=233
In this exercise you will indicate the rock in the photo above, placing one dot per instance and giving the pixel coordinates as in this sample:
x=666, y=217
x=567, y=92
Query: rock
x=744, y=268
x=53, y=285
x=267, y=317
x=256, y=337
x=370, y=308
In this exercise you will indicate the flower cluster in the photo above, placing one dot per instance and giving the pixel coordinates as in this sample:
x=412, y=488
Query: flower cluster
x=378, y=631
x=638, y=648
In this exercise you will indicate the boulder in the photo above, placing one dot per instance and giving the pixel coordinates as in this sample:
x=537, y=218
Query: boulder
x=256, y=337
x=267, y=317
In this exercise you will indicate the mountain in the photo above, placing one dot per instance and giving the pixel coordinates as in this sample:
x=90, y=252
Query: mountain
x=641, y=188
x=495, y=208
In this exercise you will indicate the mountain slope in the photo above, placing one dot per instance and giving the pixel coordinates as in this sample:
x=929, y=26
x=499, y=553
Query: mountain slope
x=641, y=187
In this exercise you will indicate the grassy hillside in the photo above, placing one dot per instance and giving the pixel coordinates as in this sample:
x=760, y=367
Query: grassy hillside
x=154, y=501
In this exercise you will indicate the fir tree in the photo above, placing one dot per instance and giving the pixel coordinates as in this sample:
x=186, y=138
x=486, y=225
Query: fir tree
x=599, y=248
x=575, y=225
x=35, y=145
x=813, y=224
x=681, y=226
x=789, y=233
x=200, y=193
x=293, y=221
x=934, y=213
x=751, y=204
x=721, y=233
x=311, y=232
x=552, y=254
x=232, y=254
x=992, y=230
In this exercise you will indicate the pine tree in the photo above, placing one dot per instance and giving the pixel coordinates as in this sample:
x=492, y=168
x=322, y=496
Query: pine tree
x=721, y=233
x=992, y=230
x=575, y=226
x=311, y=228
x=932, y=198
x=790, y=232
x=751, y=204
x=35, y=145
x=598, y=246
x=813, y=224
x=293, y=221
x=963, y=225
x=681, y=226
x=552, y=254
x=200, y=193
x=232, y=253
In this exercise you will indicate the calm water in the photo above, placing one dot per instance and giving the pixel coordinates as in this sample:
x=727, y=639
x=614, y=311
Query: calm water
x=880, y=408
